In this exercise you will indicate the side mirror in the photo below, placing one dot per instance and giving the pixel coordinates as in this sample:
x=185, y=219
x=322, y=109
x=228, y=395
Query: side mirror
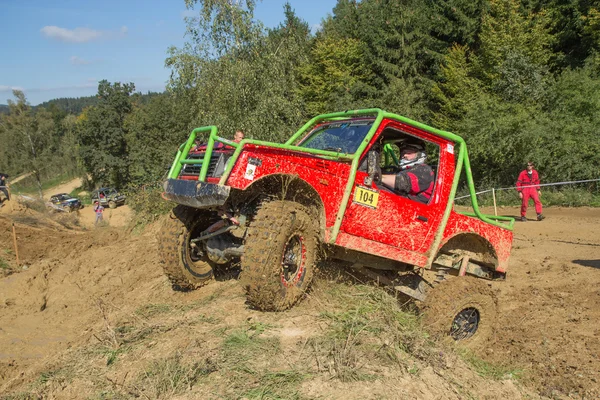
x=372, y=161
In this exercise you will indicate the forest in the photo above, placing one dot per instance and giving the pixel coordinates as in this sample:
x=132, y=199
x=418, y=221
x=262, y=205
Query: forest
x=518, y=79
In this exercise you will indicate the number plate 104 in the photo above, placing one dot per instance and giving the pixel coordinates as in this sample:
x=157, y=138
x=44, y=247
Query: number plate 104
x=366, y=197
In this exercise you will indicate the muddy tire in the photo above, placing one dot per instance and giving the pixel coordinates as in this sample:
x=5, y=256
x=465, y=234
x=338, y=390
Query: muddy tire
x=112, y=204
x=462, y=309
x=185, y=269
x=281, y=251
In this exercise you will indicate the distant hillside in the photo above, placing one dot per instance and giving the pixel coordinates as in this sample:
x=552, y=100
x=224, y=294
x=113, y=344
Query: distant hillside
x=3, y=109
x=75, y=105
x=72, y=105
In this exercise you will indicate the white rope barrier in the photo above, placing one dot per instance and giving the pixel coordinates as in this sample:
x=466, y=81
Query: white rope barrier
x=542, y=184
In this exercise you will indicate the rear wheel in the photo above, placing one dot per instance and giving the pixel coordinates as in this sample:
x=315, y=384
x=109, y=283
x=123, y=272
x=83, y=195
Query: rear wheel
x=280, y=255
x=463, y=309
x=185, y=264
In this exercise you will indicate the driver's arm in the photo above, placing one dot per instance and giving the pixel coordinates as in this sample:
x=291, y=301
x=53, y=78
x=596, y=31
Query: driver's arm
x=388, y=180
x=399, y=182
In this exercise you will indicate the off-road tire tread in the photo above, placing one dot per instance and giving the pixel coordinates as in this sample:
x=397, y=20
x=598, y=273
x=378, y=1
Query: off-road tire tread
x=452, y=295
x=169, y=243
x=274, y=223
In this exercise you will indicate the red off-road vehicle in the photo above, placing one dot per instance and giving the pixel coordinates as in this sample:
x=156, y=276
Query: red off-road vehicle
x=276, y=209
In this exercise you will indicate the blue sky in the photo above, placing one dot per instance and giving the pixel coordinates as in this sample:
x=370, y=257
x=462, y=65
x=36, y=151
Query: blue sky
x=62, y=48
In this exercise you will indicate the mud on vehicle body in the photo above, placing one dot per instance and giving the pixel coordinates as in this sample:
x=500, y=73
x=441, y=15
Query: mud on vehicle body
x=275, y=209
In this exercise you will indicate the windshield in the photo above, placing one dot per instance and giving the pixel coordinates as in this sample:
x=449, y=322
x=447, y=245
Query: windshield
x=342, y=137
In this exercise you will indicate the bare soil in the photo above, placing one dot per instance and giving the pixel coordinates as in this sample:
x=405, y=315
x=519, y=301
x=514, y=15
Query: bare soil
x=66, y=187
x=89, y=314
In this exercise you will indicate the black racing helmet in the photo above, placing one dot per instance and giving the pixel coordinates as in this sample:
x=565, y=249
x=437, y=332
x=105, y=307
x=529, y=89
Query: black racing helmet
x=417, y=146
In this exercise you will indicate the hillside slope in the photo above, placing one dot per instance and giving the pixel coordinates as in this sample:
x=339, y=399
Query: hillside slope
x=92, y=316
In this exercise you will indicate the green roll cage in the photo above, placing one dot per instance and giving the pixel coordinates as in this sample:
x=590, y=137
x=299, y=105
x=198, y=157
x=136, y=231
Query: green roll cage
x=462, y=161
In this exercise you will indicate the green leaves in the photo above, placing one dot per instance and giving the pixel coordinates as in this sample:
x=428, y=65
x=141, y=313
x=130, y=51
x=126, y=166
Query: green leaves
x=102, y=141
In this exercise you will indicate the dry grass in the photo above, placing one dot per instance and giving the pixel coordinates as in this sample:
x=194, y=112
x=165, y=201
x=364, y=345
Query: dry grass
x=167, y=350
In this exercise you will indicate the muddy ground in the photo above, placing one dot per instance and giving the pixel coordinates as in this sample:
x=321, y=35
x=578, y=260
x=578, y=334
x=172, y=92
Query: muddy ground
x=81, y=291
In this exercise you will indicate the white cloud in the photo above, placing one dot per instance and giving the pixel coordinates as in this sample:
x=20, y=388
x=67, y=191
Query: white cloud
x=80, y=35
x=77, y=35
x=6, y=88
x=75, y=60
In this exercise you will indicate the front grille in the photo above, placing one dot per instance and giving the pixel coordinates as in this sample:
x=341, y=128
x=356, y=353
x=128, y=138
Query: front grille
x=215, y=167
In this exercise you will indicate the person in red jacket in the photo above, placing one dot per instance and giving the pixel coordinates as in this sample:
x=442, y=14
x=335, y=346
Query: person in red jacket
x=528, y=186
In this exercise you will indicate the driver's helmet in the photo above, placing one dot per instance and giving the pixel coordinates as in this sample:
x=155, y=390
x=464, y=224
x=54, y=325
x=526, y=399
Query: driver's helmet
x=418, y=147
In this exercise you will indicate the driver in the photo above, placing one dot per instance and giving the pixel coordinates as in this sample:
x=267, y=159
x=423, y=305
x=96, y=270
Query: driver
x=415, y=178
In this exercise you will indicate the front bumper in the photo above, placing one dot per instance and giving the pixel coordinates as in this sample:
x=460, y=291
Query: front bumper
x=195, y=194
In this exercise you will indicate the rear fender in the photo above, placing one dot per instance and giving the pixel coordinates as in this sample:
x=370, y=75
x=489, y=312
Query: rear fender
x=470, y=253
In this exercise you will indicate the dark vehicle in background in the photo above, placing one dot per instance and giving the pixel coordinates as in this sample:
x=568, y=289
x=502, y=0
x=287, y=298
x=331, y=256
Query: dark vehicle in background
x=108, y=197
x=64, y=202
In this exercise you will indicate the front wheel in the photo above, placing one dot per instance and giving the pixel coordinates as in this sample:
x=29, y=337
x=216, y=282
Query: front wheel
x=112, y=204
x=464, y=309
x=279, y=260
x=186, y=266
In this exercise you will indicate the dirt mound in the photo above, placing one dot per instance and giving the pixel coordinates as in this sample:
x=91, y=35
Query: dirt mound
x=37, y=238
x=93, y=316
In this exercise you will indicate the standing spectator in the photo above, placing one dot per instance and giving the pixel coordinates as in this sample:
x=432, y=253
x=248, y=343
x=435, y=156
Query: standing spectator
x=239, y=136
x=99, y=210
x=3, y=187
x=528, y=186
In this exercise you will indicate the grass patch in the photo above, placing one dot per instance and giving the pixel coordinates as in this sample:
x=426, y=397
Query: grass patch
x=281, y=385
x=249, y=361
x=491, y=370
x=208, y=319
x=107, y=394
x=367, y=328
x=85, y=198
x=151, y=310
x=243, y=344
x=29, y=186
x=171, y=376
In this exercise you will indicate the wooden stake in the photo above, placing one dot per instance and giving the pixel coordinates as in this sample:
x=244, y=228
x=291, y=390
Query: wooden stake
x=15, y=242
x=494, y=197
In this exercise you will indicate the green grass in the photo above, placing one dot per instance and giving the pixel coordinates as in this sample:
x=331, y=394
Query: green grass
x=491, y=370
x=280, y=385
x=151, y=310
x=171, y=376
x=30, y=187
x=85, y=199
x=4, y=264
x=365, y=328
